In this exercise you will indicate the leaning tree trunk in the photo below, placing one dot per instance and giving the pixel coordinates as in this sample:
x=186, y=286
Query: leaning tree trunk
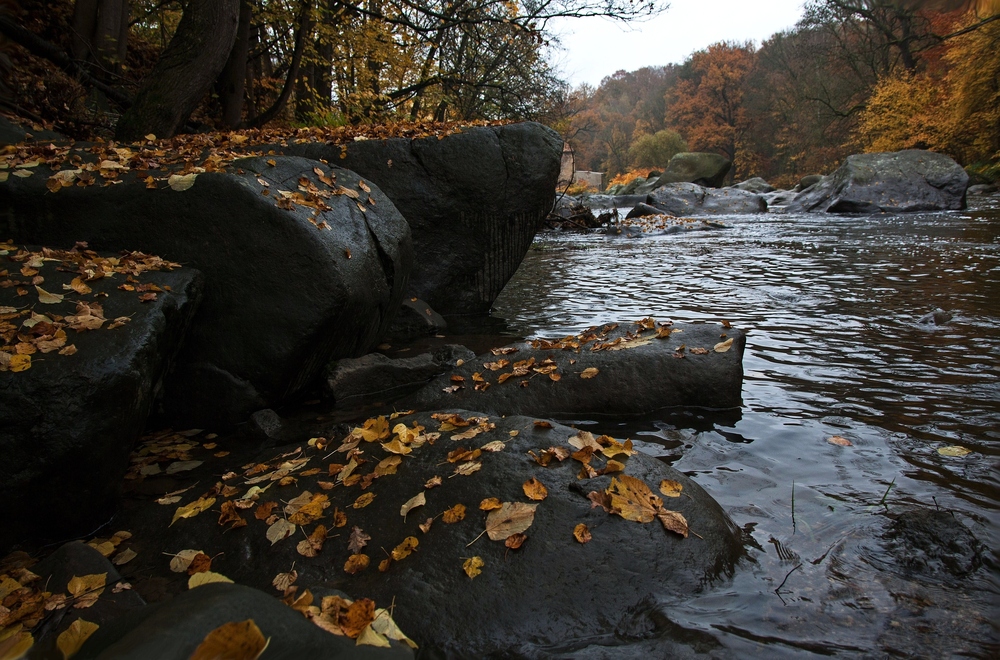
x=233, y=79
x=185, y=72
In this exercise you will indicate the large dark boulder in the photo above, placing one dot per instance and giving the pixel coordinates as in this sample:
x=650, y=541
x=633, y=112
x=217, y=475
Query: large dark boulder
x=286, y=290
x=632, y=377
x=704, y=169
x=891, y=182
x=474, y=200
x=68, y=421
x=552, y=592
x=684, y=199
x=755, y=185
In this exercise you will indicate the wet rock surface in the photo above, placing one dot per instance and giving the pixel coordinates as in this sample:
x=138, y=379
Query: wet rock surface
x=551, y=593
x=755, y=185
x=685, y=199
x=473, y=200
x=932, y=544
x=704, y=169
x=286, y=290
x=635, y=372
x=68, y=421
x=900, y=181
x=415, y=318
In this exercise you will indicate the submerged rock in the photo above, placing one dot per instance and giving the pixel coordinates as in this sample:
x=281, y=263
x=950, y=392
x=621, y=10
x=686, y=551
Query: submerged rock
x=80, y=383
x=473, y=200
x=893, y=182
x=287, y=289
x=929, y=543
x=704, y=169
x=683, y=199
x=937, y=317
x=609, y=371
x=415, y=318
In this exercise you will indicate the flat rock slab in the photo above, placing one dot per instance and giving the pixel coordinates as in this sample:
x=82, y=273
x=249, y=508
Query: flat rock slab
x=474, y=200
x=685, y=199
x=892, y=182
x=286, y=289
x=68, y=421
x=553, y=592
x=634, y=372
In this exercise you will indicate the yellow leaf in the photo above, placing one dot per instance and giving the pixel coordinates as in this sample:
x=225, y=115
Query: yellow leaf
x=489, y=504
x=535, y=489
x=19, y=363
x=671, y=488
x=632, y=499
x=590, y=372
x=193, y=509
x=70, y=640
x=384, y=625
x=724, y=346
x=364, y=500
x=396, y=447
x=47, y=298
x=14, y=643
x=369, y=637
x=582, y=533
x=412, y=503
x=151, y=137
x=403, y=550
x=241, y=640
x=86, y=589
x=181, y=181
x=454, y=514
x=356, y=563
x=954, y=451
x=473, y=566
x=206, y=577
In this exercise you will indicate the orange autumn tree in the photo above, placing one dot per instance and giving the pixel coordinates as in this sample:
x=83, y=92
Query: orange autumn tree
x=706, y=106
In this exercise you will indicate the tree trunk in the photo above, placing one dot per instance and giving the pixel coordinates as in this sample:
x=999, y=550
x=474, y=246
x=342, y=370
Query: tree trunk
x=100, y=35
x=185, y=71
x=304, y=27
x=232, y=80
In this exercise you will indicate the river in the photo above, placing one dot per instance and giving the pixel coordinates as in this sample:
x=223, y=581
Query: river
x=834, y=349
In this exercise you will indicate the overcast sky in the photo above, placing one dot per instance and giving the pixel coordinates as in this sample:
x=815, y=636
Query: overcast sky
x=595, y=47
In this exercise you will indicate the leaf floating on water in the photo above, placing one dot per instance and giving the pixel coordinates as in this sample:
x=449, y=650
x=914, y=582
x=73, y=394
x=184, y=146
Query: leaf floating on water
x=356, y=563
x=954, y=451
x=357, y=540
x=454, y=514
x=473, y=566
x=417, y=500
x=840, y=441
x=671, y=488
x=280, y=530
x=673, y=521
x=510, y=518
x=240, y=640
x=70, y=640
x=207, y=577
x=723, y=346
x=582, y=533
x=589, y=372
x=404, y=549
x=535, y=489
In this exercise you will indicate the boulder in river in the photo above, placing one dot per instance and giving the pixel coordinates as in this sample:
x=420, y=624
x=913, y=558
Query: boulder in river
x=303, y=263
x=415, y=318
x=704, y=169
x=808, y=181
x=983, y=189
x=755, y=185
x=614, y=370
x=890, y=182
x=685, y=199
x=489, y=550
x=84, y=365
x=473, y=199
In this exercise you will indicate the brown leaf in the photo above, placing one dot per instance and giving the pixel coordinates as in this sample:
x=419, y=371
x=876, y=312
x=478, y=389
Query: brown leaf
x=356, y=563
x=600, y=498
x=673, y=521
x=590, y=372
x=535, y=489
x=582, y=533
x=840, y=441
x=433, y=482
x=199, y=564
x=264, y=510
x=282, y=581
x=358, y=616
x=515, y=541
x=426, y=526
x=542, y=424
x=241, y=640
x=454, y=514
x=510, y=518
x=357, y=540
x=465, y=469
x=363, y=501
x=388, y=465
x=231, y=516
x=311, y=546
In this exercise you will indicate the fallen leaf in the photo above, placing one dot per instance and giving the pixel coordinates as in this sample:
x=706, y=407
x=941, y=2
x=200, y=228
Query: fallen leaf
x=124, y=557
x=673, y=521
x=388, y=466
x=632, y=500
x=585, y=439
x=86, y=589
x=465, y=469
x=384, y=625
x=231, y=516
x=313, y=544
x=954, y=451
x=15, y=644
x=489, y=504
x=199, y=564
x=582, y=533
x=496, y=445
x=282, y=529
x=473, y=566
x=404, y=549
x=179, y=562
x=47, y=298
x=589, y=372
x=412, y=503
x=70, y=640
x=515, y=541
x=671, y=488
x=510, y=518
x=369, y=637
x=193, y=509
x=433, y=482
x=364, y=500
x=282, y=581
x=454, y=514
x=724, y=346
x=208, y=577
x=240, y=640
x=264, y=510
x=535, y=489
x=840, y=441
x=358, y=616
x=356, y=563
x=383, y=565
x=357, y=540
x=181, y=182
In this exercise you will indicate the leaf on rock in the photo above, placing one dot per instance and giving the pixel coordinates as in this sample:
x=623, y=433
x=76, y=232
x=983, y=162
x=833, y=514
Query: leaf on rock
x=199, y=564
x=281, y=529
x=47, y=298
x=585, y=439
x=231, y=516
x=535, y=489
x=70, y=640
x=723, y=346
x=182, y=466
x=838, y=440
x=264, y=510
x=369, y=637
x=181, y=182
x=207, y=577
x=358, y=616
x=489, y=504
x=433, y=482
x=193, y=509
x=465, y=469
x=180, y=561
x=397, y=447
x=404, y=549
x=673, y=521
x=236, y=640
x=412, y=503
x=632, y=500
x=358, y=540
x=356, y=563
x=582, y=533
x=589, y=372
x=473, y=566
x=15, y=643
x=310, y=512
x=124, y=557
x=510, y=518
x=388, y=466
x=384, y=625
x=496, y=445
x=615, y=448
x=86, y=589
x=282, y=581
x=364, y=500
x=454, y=514
x=671, y=488
x=313, y=544
x=611, y=467
x=515, y=541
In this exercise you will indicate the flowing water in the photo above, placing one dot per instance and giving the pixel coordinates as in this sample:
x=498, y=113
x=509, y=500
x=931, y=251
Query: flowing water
x=834, y=349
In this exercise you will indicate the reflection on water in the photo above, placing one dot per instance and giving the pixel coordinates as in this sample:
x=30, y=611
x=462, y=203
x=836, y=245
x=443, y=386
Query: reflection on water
x=834, y=349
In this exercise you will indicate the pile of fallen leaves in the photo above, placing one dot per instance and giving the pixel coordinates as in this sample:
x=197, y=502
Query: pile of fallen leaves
x=663, y=222
x=25, y=330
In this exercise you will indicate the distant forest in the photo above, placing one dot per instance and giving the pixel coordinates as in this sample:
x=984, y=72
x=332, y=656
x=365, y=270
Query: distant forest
x=852, y=75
